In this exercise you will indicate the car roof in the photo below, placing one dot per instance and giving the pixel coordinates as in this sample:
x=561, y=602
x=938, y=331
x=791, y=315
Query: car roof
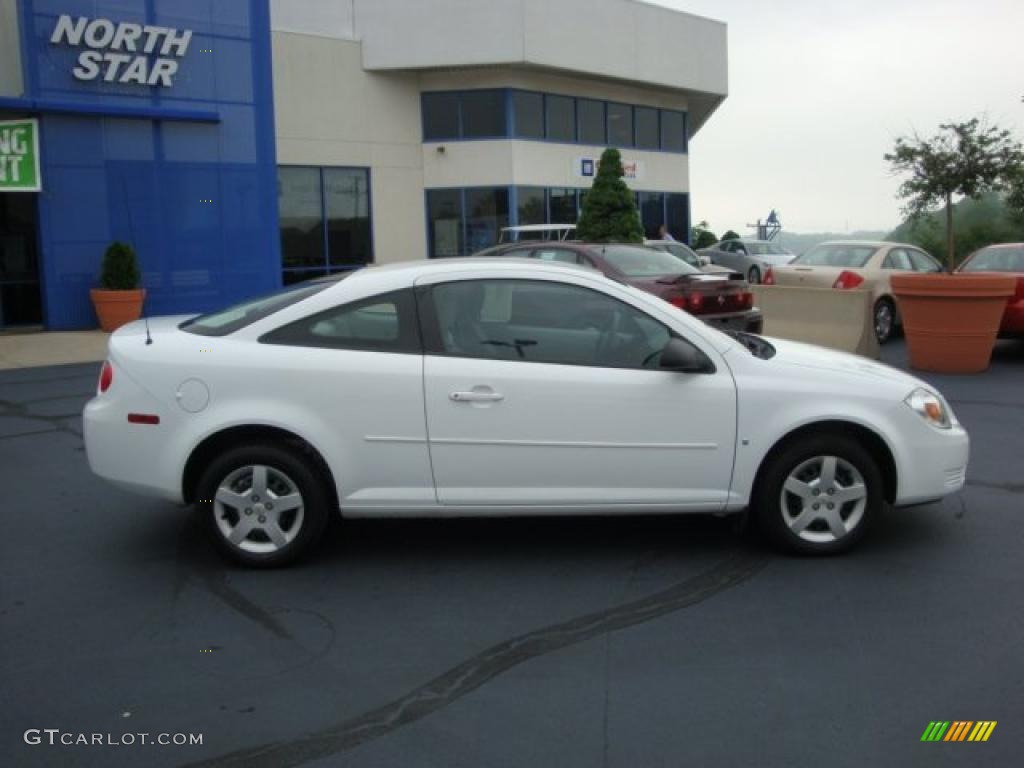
x=871, y=243
x=539, y=228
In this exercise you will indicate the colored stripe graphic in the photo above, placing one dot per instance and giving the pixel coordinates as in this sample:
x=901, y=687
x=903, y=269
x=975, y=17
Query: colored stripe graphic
x=958, y=730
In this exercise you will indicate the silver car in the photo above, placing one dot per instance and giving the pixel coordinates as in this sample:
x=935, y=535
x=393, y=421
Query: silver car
x=752, y=258
x=685, y=253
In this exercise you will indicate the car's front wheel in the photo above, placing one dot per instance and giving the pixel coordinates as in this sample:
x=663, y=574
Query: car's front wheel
x=818, y=495
x=264, y=504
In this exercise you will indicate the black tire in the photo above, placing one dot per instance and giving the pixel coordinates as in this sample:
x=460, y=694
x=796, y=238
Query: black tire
x=754, y=276
x=773, y=518
x=288, y=470
x=884, y=319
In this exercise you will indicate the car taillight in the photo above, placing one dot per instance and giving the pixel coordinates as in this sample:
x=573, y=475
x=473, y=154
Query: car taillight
x=106, y=377
x=847, y=280
x=769, y=277
x=696, y=302
x=746, y=300
x=678, y=301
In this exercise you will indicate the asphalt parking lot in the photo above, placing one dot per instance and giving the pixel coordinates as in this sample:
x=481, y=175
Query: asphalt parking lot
x=587, y=642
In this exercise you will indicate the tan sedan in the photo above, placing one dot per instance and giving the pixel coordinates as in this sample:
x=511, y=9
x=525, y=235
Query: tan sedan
x=857, y=264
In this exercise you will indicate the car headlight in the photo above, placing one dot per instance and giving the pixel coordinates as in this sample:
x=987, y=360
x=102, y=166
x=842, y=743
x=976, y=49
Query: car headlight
x=930, y=407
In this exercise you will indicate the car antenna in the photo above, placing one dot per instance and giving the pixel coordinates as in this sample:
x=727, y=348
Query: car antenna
x=149, y=339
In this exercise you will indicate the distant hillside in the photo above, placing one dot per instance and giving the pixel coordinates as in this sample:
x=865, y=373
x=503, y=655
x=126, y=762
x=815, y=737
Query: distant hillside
x=798, y=242
x=976, y=223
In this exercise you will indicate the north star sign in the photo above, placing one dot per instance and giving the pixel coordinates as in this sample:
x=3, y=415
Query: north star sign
x=124, y=52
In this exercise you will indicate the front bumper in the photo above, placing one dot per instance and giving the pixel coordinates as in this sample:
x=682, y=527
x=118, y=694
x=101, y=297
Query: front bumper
x=935, y=467
x=751, y=321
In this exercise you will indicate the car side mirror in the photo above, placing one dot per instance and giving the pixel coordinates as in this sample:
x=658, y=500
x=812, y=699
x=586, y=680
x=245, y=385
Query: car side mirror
x=683, y=357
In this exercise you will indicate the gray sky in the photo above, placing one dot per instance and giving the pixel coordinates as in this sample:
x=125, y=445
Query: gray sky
x=819, y=90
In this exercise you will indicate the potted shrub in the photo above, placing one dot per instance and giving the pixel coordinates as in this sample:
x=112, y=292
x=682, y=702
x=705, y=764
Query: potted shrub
x=119, y=298
x=951, y=321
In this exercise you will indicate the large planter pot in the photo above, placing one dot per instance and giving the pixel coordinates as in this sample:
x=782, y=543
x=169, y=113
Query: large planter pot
x=951, y=321
x=117, y=308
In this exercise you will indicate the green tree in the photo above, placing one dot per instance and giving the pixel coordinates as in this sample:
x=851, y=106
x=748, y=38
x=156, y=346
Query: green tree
x=730, y=235
x=701, y=236
x=961, y=160
x=120, y=269
x=609, y=212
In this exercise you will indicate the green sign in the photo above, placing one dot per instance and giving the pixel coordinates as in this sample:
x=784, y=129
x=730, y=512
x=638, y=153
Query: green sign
x=19, y=156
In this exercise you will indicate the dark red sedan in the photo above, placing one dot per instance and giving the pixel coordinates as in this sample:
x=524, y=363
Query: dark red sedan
x=722, y=300
x=1007, y=258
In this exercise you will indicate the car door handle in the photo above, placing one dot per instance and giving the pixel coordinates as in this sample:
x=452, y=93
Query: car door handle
x=476, y=397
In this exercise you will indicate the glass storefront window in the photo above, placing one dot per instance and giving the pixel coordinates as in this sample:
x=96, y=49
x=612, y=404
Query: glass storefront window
x=486, y=214
x=652, y=212
x=673, y=131
x=528, y=113
x=646, y=128
x=677, y=216
x=620, y=125
x=563, y=206
x=440, y=116
x=561, y=118
x=590, y=126
x=347, y=203
x=324, y=216
x=483, y=114
x=444, y=222
x=530, y=205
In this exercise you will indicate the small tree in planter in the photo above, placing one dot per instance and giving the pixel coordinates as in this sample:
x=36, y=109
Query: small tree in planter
x=119, y=298
x=609, y=212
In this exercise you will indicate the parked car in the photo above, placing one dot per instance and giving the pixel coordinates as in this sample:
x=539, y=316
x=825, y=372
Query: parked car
x=500, y=387
x=1008, y=258
x=753, y=258
x=722, y=300
x=857, y=264
x=543, y=232
x=687, y=254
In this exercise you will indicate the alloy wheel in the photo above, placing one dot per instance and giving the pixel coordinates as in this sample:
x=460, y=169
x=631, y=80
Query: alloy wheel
x=823, y=499
x=883, y=320
x=258, y=509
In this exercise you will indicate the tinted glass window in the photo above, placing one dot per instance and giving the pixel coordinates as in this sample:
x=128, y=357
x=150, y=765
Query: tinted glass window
x=563, y=206
x=677, y=216
x=556, y=254
x=483, y=114
x=673, y=131
x=528, y=113
x=836, y=255
x=923, y=262
x=486, y=214
x=385, y=323
x=561, y=117
x=646, y=128
x=444, y=222
x=530, y=204
x=897, y=258
x=543, y=322
x=590, y=121
x=681, y=252
x=634, y=261
x=440, y=116
x=347, y=203
x=1002, y=259
x=620, y=125
x=300, y=212
x=240, y=315
x=652, y=213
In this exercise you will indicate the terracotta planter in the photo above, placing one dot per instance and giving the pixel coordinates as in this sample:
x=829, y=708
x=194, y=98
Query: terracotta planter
x=117, y=308
x=951, y=321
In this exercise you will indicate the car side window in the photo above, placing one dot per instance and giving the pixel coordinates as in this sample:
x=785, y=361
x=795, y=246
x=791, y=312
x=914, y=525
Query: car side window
x=542, y=322
x=923, y=262
x=897, y=258
x=563, y=255
x=384, y=323
x=739, y=248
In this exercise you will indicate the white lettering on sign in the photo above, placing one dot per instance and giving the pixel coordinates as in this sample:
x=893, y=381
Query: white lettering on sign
x=105, y=39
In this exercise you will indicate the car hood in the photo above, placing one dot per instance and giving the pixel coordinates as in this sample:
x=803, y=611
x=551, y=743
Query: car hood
x=794, y=354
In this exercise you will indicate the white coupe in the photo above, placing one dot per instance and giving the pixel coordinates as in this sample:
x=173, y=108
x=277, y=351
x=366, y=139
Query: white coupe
x=504, y=387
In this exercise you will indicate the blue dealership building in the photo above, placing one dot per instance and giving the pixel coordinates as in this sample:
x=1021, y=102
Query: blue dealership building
x=238, y=145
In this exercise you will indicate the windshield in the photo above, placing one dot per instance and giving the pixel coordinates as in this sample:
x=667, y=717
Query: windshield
x=1000, y=259
x=637, y=261
x=766, y=249
x=240, y=315
x=680, y=251
x=836, y=255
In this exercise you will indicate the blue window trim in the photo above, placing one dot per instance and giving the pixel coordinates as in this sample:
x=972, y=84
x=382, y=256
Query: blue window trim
x=327, y=266
x=510, y=127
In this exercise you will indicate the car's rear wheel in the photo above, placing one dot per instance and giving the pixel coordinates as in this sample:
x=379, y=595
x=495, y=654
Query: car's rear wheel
x=265, y=505
x=817, y=496
x=754, y=276
x=885, y=319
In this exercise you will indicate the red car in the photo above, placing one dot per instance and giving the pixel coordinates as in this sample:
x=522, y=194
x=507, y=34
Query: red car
x=1007, y=258
x=721, y=300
